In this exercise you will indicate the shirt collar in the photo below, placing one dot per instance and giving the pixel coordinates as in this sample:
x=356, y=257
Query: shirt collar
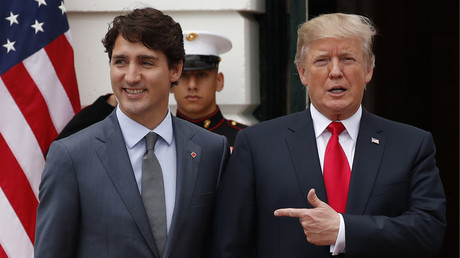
x=133, y=132
x=320, y=122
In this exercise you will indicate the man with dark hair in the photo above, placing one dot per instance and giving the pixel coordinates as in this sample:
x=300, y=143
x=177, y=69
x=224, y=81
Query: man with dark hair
x=140, y=183
x=201, y=80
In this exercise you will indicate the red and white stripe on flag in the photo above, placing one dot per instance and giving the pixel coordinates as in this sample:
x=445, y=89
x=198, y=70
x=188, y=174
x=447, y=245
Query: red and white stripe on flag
x=38, y=96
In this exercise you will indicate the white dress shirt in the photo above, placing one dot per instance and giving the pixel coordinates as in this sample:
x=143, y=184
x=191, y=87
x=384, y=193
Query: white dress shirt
x=347, y=140
x=165, y=150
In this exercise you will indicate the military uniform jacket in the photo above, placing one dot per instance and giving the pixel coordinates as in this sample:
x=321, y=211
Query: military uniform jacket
x=215, y=122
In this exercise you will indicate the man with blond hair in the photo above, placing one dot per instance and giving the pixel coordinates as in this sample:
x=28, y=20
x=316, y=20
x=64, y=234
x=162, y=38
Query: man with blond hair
x=333, y=179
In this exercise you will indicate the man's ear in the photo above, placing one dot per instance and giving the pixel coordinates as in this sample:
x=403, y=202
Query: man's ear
x=220, y=82
x=368, y=75
x=176, y=71
x=303, y=78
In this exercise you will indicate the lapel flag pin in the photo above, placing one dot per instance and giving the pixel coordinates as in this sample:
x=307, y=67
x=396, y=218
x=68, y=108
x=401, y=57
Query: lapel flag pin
x=374, y=140
x=193, y=154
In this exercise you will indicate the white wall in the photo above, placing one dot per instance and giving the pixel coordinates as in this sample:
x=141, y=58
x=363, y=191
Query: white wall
x=89, y=21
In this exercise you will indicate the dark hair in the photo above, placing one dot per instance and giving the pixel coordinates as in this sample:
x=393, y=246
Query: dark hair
x=154, y=29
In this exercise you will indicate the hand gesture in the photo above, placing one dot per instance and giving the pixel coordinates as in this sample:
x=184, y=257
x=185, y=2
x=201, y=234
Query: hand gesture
x=320, y=224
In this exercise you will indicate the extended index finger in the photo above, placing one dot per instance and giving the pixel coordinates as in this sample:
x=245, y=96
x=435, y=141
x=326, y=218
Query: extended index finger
x=289, y=212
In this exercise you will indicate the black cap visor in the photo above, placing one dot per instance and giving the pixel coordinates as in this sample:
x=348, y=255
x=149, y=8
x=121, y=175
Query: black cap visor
x=200, y=62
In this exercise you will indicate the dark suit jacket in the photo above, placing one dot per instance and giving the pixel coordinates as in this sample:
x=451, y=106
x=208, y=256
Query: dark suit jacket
x=396, y=203
x=90, y=205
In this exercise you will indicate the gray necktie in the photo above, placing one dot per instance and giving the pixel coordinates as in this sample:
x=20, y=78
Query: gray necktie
x=153, y=194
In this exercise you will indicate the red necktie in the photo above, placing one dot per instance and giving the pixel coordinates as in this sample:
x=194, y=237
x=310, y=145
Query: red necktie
x=336, y=170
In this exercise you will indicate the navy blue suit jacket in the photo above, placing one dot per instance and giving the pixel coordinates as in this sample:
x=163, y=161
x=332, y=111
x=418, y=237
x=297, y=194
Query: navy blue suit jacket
x=90, y=205
x=396, y=203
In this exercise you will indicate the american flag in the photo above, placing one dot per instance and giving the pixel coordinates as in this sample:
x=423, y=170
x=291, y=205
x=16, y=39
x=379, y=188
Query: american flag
x=38, y=96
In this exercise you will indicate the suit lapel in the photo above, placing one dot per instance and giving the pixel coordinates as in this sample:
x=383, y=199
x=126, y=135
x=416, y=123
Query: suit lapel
x=187, y=169
x=304, y=156
x=368, y=156
x=114, y=156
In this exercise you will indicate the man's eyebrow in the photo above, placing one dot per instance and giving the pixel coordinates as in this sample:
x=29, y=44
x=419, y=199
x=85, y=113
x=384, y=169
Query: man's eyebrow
x=348, y=51
x=118, y=56
x=320, y=54
x=143, y=57
x=147, y=57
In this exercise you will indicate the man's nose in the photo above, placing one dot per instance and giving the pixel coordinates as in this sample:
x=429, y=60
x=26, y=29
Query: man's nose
x=335, y=70
x=132, y=76
x=192, y=82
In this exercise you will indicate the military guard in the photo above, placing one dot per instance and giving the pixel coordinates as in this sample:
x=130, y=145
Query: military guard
x=196, y=92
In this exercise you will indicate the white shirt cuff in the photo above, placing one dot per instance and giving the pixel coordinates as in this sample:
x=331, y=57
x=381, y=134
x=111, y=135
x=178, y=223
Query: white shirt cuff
x=339, y=246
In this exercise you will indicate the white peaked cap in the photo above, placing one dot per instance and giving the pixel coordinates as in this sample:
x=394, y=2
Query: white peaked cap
x=205, y=43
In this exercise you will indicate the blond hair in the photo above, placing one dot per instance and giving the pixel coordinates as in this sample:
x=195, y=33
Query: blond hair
x=336, y=25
